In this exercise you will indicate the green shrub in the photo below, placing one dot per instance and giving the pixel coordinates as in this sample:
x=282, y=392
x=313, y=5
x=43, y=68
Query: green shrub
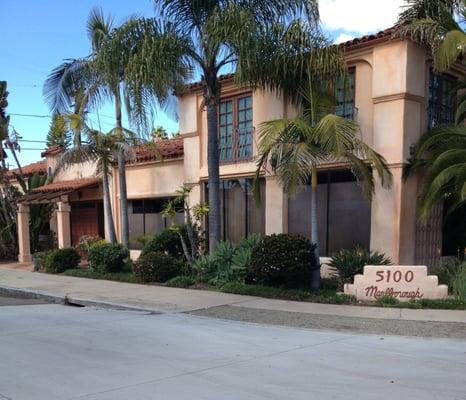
x=108, y=257
x=447, y=272
x=156, y=267
x=282, y=260
x=140, y=241
x=329, y=283
x=182, y=281
x=229, y=263
x=459, y=284
x=387, y=301
x=39, y=260
x=350, y=262
x=87, y=241
x=168, y=242
x=58, y=261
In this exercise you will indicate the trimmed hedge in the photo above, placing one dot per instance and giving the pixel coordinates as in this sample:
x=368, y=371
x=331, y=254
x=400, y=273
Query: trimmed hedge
x=108, y=257
x=58, y=261
x=167, y=242
x=156, y=267
x=283, y=260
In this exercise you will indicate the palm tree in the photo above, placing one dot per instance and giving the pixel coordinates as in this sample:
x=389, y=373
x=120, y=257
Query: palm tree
x=438, y=24
x=260, y=39
x=103, y=149
x=294, y=148
x=4, y=121
x=87, y=82
x=442, y=153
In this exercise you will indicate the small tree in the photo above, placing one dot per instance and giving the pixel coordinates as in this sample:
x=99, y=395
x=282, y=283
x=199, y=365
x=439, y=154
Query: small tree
x=193, y=217
x=58, y=134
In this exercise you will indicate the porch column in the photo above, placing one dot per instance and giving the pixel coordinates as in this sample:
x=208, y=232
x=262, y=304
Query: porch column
x=276, y=207
x=24, y=243
x=63, y=225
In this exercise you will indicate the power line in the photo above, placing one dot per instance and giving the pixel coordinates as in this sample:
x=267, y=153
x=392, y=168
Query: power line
x=32, y=141
x=30, y=115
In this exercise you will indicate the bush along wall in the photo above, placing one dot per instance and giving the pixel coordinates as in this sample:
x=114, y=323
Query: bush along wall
x=108, y=257
x=58, y=261
x=283, y=260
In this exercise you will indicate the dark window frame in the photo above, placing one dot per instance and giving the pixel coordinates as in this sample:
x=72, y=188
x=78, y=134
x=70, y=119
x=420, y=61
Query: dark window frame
x=349, y=96
x=235, y=128
x=441, y=103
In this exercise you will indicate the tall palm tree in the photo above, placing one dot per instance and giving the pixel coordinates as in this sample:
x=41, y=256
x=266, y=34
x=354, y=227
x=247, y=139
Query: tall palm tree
x=103, y=149
x=294, y=147
x=264, y=40
x=438, y=24
x=87, y=82
x=4, y=121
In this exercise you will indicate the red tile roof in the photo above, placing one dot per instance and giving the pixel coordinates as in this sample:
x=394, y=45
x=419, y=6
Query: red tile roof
x=349, y=45
x=51, y=151
x=198, y=85
x=67, y=185
x=381, y=36
x=39, y=166
x=167, y=149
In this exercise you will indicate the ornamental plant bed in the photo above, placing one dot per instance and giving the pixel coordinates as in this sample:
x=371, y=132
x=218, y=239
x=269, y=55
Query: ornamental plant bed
x=326, y=296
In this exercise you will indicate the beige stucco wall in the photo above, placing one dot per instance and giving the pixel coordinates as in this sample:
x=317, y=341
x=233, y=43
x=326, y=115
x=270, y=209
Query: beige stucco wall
x=391, y=101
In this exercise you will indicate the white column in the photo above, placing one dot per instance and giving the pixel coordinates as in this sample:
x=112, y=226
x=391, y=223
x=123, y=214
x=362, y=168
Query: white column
x=63, y=225
x=276, y=207
x=24, y=243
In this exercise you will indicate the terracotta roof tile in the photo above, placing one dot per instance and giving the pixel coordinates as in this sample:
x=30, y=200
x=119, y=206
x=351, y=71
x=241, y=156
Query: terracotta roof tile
x=67, y=185
x=39, y=166
x=349, y=45
x=51, y=151
x=192, y=87
x=369, y=39
x=168, y=149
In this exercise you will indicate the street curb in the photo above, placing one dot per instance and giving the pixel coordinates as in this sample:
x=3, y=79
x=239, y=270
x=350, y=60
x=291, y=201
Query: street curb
x=68, y=300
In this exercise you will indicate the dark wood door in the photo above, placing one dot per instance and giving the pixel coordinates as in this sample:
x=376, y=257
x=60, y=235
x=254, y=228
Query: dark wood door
x=84, y=220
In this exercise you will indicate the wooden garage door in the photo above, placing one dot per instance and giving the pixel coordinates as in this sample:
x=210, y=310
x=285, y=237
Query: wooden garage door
x=84, y=220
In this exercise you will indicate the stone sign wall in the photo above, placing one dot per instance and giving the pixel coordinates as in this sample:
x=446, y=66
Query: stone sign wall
x=401, y=282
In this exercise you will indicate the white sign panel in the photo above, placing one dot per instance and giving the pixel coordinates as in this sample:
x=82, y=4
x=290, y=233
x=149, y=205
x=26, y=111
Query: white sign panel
x=399, y=281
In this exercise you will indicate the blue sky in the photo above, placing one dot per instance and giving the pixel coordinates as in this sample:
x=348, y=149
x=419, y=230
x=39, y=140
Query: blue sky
x=41, y=34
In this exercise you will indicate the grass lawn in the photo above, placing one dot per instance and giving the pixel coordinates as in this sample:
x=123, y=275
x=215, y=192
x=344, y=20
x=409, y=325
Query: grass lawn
x=128, y=277
x=326, y=295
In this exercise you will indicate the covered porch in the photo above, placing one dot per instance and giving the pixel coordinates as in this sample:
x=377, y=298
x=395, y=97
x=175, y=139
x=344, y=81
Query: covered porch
x=77, y=212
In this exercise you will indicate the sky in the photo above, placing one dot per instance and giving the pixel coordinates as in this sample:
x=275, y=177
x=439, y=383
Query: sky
x=41, y=34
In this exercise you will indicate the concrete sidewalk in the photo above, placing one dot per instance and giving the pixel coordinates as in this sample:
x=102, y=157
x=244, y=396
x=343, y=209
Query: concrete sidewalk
x=165, y=299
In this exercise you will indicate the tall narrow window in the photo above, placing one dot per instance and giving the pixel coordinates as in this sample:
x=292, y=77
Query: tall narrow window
x=226, y=130
x=344, y=93
x=235, y=128
x=441, y=100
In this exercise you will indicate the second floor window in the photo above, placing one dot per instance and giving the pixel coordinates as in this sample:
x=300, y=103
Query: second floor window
x=441, y=109
x=344, y=94
x=235, y=128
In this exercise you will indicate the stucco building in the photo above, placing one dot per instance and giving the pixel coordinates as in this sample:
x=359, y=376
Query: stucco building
x=394, y=96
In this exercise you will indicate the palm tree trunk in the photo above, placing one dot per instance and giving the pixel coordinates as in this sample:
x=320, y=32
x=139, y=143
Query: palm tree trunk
x=315, y=284
x=109, y=224
x=124, y=221
x=213, y=169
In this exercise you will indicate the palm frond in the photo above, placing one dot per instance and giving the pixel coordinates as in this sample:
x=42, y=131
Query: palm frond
x=98, y=27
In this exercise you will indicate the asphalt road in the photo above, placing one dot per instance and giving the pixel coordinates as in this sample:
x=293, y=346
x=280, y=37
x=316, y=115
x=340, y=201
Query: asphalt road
x=59, y=352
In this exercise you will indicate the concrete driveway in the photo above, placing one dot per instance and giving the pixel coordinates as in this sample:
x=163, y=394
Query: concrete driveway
x=57, y=352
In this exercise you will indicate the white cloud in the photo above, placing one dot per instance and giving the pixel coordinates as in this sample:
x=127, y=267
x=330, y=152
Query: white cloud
x=343, y=37
x=359, y=16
